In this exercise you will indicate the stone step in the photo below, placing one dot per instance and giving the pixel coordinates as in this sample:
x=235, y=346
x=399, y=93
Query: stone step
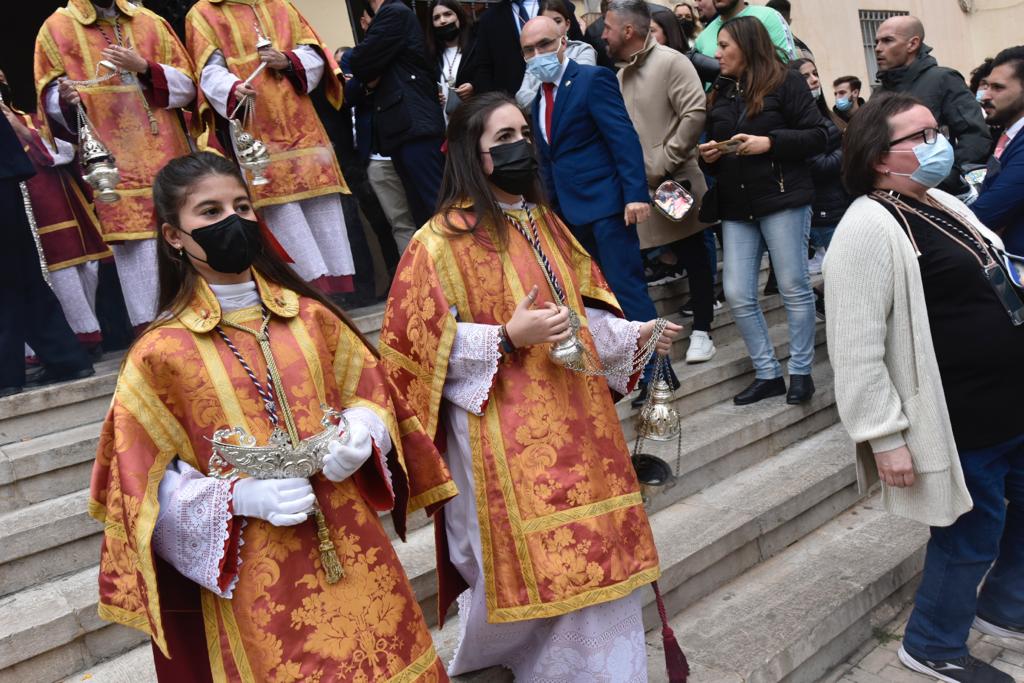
x=36, y=468
x=795, y=616
x=70, y=404
x=704, y=541
x=55, y=536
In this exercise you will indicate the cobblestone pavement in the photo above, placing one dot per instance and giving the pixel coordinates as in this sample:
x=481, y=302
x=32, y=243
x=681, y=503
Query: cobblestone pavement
x=876, y=661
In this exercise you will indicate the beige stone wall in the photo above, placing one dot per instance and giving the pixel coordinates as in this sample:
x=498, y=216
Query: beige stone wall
x=330, y=19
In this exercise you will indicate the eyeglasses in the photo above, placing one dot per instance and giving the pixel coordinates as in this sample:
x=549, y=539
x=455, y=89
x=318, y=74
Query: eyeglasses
x=542, y=46
x=929, y=135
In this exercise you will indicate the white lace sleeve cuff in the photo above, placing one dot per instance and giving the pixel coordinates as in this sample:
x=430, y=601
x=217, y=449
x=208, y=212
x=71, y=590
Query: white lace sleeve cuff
x=312, y=63
x=180, y=88
x=194, y=526
x=381, y=439
x=472, y=365
x=216, y=81
x=615, y=339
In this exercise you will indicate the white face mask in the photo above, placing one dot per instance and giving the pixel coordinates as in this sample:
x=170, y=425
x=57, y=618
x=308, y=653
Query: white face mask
x=815, y=93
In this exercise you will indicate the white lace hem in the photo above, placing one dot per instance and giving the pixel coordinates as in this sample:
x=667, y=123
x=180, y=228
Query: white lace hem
x=616, y=340
x=472, y=365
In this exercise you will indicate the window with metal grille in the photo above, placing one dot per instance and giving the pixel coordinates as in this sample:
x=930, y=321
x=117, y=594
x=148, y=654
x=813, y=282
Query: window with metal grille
x=870, y=20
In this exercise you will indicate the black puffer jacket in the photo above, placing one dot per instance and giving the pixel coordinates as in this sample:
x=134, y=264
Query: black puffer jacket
x=750, y=187
x=405, y=102
x=830, y=199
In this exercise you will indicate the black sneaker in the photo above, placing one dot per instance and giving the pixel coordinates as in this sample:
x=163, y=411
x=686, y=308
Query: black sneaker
x=991, y=628
x=960, y=670
x=686, y=310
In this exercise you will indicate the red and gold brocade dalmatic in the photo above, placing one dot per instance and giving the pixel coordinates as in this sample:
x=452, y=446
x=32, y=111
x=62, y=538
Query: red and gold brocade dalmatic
x=562, y=523
x=68, y=228
x=179, y=384
x=70, y=44
x=302, y=161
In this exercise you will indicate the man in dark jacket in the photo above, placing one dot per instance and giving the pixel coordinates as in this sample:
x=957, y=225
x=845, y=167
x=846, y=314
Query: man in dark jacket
x=905, y=65
x=407, y=121
x=29, y=310
x=1001, y=203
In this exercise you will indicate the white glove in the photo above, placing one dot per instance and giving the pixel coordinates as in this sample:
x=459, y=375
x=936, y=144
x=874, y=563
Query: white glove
x=282, y=502
x=344, y=459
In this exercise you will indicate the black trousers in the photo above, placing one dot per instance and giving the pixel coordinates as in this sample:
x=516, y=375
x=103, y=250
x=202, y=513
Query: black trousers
x=420, y=164
x=29, y=311
x=692, y=253
x=363, y=279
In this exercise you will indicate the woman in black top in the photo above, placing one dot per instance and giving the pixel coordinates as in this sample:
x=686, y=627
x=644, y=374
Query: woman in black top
x=763, y=197
x=450, y=45
x=902, y=243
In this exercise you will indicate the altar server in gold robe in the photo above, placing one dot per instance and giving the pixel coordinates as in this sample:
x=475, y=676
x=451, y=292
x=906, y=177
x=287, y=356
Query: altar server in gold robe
x=229, y=576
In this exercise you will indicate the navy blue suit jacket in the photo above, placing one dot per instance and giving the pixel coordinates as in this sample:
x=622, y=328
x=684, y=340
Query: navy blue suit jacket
x=594, y=165
x=1001, y=203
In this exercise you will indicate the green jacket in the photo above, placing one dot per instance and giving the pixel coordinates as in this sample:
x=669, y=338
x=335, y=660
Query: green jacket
x=778, y=30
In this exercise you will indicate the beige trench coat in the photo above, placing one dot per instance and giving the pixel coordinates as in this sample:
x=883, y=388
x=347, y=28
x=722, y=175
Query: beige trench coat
x=665, y=98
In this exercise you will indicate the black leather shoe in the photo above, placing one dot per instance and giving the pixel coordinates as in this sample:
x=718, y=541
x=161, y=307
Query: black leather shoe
x=641, y=398
x=760, y=389
x=801, y=388
x=49, y=377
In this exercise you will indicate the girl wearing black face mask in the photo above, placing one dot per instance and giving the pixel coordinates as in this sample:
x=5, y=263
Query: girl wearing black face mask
x=241, y=342
x=480, y=295
x=450, y=45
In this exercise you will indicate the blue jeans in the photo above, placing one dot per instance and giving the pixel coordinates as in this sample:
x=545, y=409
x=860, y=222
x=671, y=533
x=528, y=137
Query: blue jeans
x=785, y=235
x=959, y=555
x=821, y=235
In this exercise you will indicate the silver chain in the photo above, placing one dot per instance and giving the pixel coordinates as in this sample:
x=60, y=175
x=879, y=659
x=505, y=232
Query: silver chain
x=587, y=364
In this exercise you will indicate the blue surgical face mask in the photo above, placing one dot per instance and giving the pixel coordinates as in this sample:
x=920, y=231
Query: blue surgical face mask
x=981, y=95
x=844, y=103
x=545, y=66
x=936, y=161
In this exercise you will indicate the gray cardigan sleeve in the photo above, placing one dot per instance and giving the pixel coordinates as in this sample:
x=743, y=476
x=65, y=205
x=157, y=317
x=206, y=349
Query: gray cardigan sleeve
x=859, y=299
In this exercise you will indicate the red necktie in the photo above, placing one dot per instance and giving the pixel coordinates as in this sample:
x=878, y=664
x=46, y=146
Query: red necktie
x=549, y=107
x=1001, y=144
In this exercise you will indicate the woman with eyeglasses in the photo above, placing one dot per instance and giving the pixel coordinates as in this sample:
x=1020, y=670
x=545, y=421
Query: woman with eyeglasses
x=548, y=534
x=927, y=345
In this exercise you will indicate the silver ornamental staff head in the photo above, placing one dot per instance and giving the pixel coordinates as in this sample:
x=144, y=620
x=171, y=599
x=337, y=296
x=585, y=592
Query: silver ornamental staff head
x=235, y=449
x=252, y=154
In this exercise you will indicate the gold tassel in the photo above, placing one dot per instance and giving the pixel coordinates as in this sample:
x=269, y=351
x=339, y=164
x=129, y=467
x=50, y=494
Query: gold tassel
x=328, y=554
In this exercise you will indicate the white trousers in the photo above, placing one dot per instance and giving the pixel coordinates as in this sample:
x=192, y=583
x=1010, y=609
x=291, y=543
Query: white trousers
x=313, y=233
x=75, y=288
x=136, y=269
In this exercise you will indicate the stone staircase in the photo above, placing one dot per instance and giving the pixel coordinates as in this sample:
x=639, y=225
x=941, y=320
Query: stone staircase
x=772, y=562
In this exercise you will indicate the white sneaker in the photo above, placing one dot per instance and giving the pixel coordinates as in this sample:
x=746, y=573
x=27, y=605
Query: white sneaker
x=990, y=629
x=701, y=347
x=814, y=263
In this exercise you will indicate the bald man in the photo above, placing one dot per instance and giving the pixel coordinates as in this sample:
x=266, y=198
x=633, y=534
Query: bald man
x=905, y=65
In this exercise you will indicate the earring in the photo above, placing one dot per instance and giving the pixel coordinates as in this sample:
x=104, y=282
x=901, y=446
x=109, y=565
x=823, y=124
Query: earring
x=181, y=252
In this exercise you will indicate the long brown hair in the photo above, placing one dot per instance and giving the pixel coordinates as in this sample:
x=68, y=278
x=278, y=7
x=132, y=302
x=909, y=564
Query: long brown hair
x=177, y=276
x=764, y=72
x=464, y=184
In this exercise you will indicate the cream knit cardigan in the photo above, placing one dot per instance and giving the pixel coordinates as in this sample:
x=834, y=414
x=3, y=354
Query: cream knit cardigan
x=887, y=383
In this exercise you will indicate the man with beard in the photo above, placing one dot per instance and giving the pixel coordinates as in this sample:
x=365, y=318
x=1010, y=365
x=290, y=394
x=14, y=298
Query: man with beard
x=905, y=65
x=1001, y=202
x=778, y=29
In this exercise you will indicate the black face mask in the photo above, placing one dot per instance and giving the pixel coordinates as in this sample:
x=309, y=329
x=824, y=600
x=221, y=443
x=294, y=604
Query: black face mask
x=5, y=94
x=686, y=26
x=446, y=32
x=230, y=244
x=515, y=167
